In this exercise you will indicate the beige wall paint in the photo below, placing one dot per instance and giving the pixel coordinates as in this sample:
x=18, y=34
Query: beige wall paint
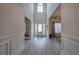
x=12, y=28
x=70, y=27
x=70, y=19
x=11, y=19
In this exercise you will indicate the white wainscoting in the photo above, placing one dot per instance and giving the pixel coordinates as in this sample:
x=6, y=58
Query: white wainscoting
x=11, y=44
x=71, y=44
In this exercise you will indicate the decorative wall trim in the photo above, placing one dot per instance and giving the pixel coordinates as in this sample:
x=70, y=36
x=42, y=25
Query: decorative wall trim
x=18, y=50
x=4, y=50
x=66, y=35
x=71, y=39
x=9, y=38
x=11, y=35
x=69, y=43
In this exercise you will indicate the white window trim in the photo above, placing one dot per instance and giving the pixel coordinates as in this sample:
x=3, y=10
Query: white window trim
x=40, y=8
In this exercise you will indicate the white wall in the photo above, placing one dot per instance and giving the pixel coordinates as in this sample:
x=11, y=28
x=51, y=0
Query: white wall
x=28, y=12
x=12, y=28
x=40, y=18
x=28, y=9
x=51, y=8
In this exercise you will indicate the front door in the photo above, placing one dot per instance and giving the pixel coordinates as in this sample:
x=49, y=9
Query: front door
x=40, y=30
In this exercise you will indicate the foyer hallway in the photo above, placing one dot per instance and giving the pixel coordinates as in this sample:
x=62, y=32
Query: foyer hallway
x=41, y=46
x=26, y=21
x=20, y=23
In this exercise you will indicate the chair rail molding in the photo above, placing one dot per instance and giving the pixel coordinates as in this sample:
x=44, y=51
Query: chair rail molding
x=11, y=43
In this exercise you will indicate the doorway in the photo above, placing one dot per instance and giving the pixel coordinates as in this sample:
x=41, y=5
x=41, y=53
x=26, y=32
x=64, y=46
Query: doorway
x=40, y=30
x=27, y=28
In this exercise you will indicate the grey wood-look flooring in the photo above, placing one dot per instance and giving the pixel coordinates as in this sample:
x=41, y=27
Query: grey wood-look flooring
x=41, y=46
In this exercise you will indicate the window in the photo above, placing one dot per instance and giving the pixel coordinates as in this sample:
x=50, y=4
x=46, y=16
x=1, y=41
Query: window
x=40, y=7
x=43, y=28
x=35, y=28
x=57, y=27
x=39, y=27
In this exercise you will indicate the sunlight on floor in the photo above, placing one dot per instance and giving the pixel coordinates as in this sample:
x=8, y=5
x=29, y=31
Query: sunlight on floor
x=40, y=41
x=41, y=46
